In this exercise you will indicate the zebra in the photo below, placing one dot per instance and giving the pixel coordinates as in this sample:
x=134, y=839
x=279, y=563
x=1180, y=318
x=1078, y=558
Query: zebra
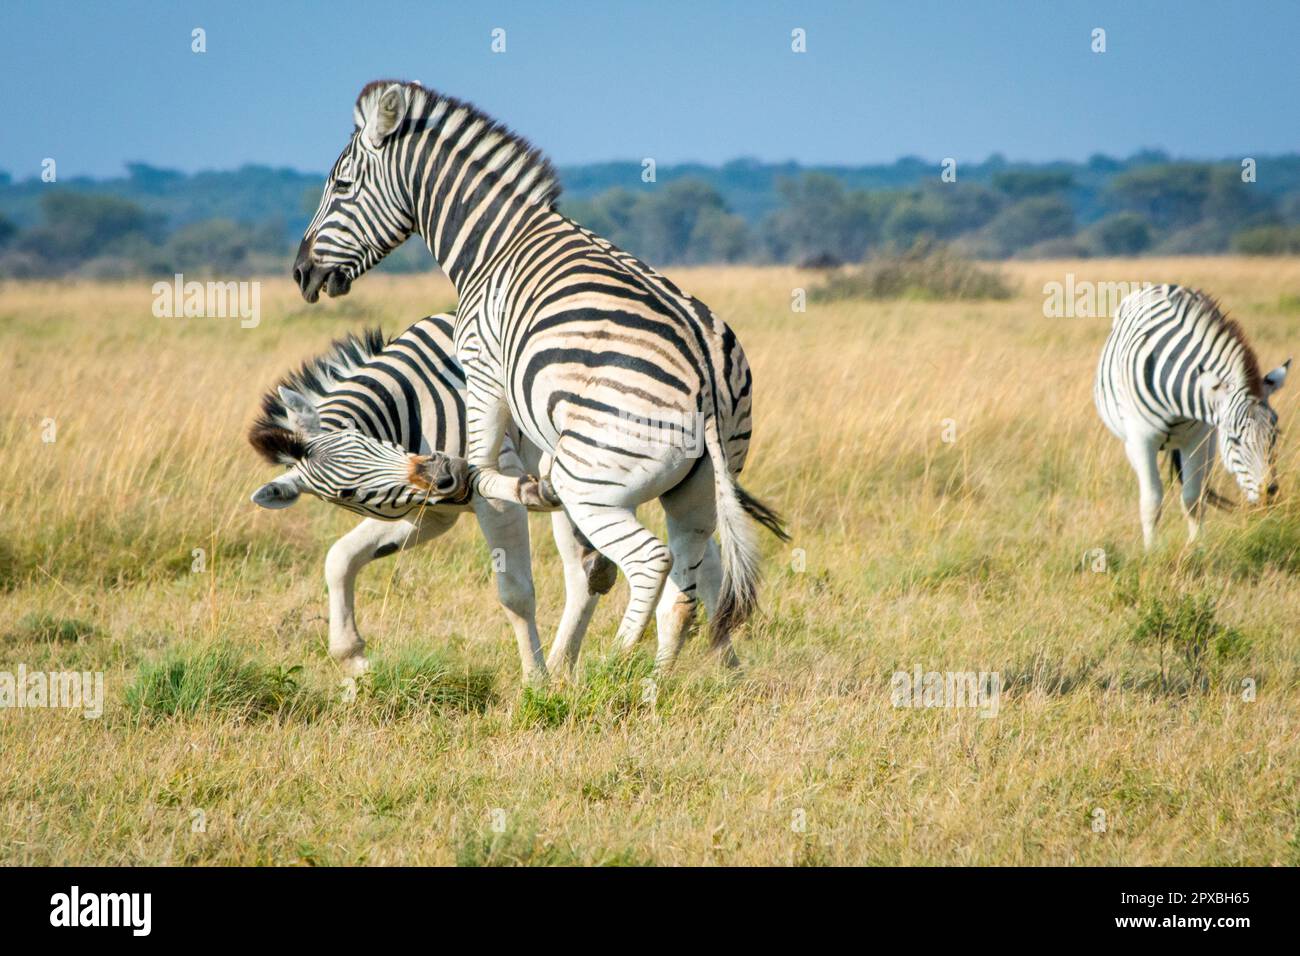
x=1176, y=371
x=355, y=427
x=633, y=389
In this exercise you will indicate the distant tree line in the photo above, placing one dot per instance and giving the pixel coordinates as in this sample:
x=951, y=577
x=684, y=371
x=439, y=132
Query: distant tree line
x=156, y=222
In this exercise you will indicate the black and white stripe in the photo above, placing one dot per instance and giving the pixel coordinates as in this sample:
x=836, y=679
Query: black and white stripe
x=633, y=388
x=1177, y=374
x=356, y=427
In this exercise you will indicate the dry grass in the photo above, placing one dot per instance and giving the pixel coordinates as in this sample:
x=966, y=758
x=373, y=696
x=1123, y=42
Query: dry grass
x=952, y=556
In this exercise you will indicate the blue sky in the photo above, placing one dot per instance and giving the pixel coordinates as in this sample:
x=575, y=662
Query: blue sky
x=96, y=84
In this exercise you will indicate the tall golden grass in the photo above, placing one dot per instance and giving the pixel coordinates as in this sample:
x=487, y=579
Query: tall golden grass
x=908, y=550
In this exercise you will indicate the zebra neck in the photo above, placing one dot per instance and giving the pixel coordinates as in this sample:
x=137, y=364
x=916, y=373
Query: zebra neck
x=366, y=410
x=466, y=220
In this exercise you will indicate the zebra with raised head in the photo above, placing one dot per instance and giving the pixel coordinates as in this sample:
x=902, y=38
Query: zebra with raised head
x=355, y=427
x=633, y=389
x=1177, y=374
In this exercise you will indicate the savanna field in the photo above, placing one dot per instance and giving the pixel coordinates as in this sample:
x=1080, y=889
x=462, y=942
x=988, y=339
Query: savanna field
x=226, y=739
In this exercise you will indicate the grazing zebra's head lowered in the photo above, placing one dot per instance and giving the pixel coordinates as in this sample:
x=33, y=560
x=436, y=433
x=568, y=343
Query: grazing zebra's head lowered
x=1247, y=429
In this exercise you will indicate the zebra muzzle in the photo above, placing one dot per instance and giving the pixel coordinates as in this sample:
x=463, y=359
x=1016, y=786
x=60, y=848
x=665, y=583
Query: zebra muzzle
x=442, y=475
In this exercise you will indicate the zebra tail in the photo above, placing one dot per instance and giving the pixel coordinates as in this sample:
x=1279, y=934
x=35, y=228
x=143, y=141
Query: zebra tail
x=740, y=572
x=763, y=513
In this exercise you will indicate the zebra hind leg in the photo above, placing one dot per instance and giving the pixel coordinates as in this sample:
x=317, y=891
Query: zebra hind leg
x=690, y=510
x=643, y=559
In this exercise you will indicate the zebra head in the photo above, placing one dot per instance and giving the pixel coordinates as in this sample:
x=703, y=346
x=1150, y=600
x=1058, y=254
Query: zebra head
x=362, y=216
x=345, y=467
x=1247, y=429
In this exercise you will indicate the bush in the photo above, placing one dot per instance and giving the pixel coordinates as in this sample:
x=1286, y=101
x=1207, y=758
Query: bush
x=1189, y=627
x=924, y=272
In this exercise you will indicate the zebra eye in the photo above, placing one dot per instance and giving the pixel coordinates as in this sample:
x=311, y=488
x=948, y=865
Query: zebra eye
x=347, y=493
x=342, y=185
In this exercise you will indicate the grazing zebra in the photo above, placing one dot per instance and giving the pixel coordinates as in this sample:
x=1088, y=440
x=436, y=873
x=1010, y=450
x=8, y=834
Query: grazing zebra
x=1174, y=370
x=351, y=426
x=633, y=389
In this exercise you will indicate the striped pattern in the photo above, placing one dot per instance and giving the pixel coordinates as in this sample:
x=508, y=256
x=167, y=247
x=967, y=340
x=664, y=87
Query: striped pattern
x=634, y=388
x=377, y=405
x=1177, y=374
x=356, y=426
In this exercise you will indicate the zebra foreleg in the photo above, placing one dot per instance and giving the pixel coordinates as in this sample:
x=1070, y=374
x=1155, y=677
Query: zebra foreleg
x=1142, y=456
x=487, y=419
x=369, y=540
x=505, y=528
x=1197, y=459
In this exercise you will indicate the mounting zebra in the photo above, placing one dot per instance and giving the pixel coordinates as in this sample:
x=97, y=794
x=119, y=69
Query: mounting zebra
x=634, y=390
x=1175, y=370
x=397, y=403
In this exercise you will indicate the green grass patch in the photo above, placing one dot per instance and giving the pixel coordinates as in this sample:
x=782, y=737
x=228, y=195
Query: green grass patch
x=217, y=680
x=421, y=682
x=610, y=690
x=50, y=629
x=1272, y=542
x=520, y=847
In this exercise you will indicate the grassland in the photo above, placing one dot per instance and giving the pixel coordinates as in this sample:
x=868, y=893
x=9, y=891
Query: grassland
x=226, y=739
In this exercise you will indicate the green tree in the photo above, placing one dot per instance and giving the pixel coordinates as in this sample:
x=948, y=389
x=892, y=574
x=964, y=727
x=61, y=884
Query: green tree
x=1121, y=234
x=1024, y=183
x=1031, y=221
x=80, y=225
x=1167, y=195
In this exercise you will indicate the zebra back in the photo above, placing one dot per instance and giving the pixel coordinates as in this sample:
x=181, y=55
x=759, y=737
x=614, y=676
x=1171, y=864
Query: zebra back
x=1163, y=339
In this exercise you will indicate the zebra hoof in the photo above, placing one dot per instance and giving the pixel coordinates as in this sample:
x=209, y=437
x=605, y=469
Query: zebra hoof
x=445, y=477
x=536, y=494
x=601, y=572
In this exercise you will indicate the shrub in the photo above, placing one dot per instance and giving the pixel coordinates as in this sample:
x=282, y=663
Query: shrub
x=1189, y=627
x=924, y=272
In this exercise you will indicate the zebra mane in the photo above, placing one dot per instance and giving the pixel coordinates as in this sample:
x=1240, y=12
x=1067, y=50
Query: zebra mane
x=272, y=435
x=1206, y=306
x=525, y=166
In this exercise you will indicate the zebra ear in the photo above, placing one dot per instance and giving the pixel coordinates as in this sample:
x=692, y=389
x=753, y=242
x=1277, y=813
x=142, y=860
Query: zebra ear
x=300, y=412
x=390, y=110
x=1276, y=378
